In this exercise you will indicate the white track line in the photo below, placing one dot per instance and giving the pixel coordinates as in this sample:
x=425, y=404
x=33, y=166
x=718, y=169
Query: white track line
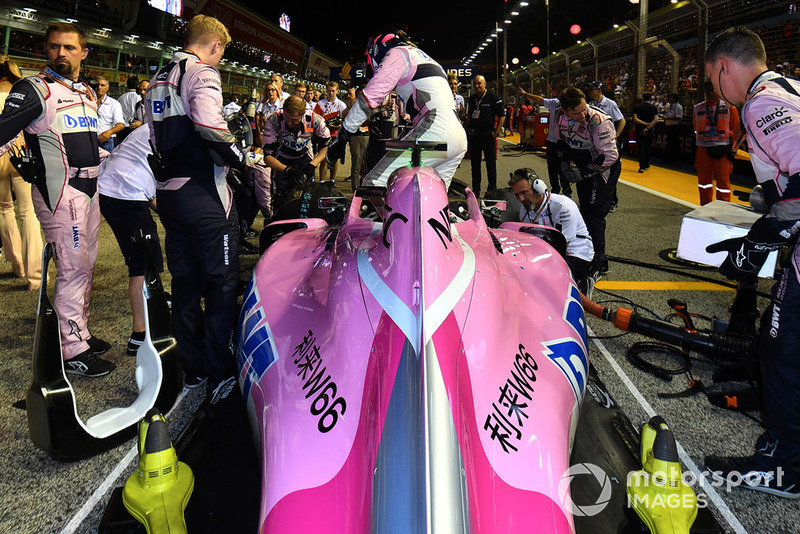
x=110, y=480
x=713, y=496
x=659, y=194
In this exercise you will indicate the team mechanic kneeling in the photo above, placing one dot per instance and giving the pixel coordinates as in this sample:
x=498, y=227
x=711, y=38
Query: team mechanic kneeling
x=539, y=206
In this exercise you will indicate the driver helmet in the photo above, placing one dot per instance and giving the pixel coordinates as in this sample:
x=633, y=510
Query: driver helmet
x=377, y=48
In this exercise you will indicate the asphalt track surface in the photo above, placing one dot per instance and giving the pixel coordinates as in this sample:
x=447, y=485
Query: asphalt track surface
x=39, y=494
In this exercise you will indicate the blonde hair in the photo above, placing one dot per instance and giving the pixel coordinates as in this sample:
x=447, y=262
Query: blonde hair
x=294, y=105
x=9, y=70
x=203, y=29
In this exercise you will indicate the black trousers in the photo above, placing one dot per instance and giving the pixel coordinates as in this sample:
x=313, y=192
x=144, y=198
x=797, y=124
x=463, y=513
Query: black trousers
x=644, y=142
x=595, y=197
x=780, y=371
x=483, y=145
x=202, y=248
x=557, y=182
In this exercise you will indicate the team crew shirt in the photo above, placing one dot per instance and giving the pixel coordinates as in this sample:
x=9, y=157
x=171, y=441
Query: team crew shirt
x=588, y=141
x=562, y=213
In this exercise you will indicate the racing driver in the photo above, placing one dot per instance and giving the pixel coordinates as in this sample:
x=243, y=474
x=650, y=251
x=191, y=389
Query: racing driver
x=394, y=63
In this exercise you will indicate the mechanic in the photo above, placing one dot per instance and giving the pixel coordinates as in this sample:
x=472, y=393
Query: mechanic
x=597, y=99
x=539, y=206
x=192, y=140
x=592, y=150
x=64, y=143
x=395, y=63
x=736, y=63
x=553, y=146
x=288, y=136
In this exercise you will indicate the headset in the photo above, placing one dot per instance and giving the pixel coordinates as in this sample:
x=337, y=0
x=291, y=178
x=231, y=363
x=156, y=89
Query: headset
x=539, y=187
x=537, y=184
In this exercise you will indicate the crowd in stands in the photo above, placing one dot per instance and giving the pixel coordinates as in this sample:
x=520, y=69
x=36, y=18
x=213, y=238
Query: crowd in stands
x=780, y=38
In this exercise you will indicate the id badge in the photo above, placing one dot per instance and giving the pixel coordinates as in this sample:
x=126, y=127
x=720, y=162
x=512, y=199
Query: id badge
x=476, y=114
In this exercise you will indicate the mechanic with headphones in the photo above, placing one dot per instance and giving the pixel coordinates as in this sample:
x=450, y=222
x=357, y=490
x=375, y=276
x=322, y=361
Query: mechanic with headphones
x=539, y=206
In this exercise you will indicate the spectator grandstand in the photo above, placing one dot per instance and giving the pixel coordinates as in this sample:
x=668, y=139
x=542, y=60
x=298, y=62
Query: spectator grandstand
x=679, y=25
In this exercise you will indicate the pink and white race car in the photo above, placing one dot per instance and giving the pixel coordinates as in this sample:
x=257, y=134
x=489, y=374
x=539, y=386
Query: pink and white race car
x=417, y=374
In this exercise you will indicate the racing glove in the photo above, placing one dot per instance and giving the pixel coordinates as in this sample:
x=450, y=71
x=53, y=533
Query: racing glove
x=746, y=255
x=295, y=175
x=336, y=150
x=24, y=162
x=309, y=171
x=570, y=172
x=254, y=158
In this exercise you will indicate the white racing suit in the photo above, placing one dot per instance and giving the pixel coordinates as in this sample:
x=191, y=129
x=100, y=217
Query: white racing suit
x=422, y=84
x=59, y=118
x=771, y=116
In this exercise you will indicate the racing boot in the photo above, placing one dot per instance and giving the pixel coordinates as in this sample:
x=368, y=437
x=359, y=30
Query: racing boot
x=759, y=472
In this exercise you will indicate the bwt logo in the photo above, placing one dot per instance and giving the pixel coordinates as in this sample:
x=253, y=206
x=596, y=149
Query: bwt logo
x=81, y=121
x=76, y=238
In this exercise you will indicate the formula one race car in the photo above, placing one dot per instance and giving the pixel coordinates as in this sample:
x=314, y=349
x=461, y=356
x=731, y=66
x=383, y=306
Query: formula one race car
x=416, y=374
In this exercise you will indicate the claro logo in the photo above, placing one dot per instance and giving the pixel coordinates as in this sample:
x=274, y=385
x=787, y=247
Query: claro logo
x=80, y=122
x=776, y=114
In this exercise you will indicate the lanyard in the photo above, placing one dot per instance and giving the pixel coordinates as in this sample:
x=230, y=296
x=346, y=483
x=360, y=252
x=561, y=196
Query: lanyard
x=478, y=102
x=713, y=130
x=78, y=87
x=538, y=213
